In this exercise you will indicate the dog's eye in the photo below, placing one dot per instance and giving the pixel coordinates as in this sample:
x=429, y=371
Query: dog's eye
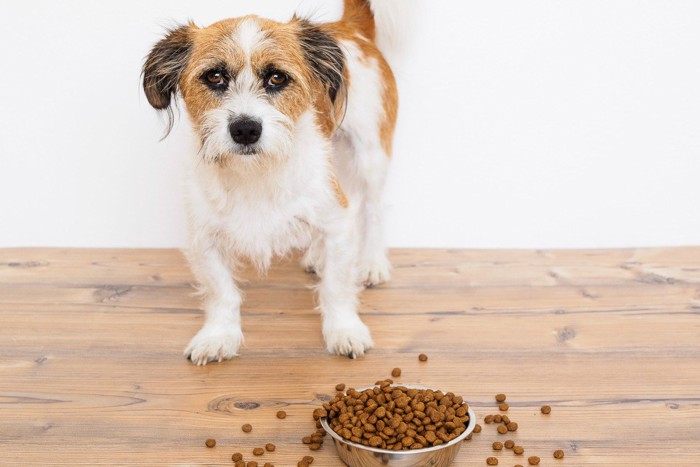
x=215, y=79
x=275, y=80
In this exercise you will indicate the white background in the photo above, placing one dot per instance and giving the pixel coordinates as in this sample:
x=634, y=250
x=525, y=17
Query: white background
x=522, y=123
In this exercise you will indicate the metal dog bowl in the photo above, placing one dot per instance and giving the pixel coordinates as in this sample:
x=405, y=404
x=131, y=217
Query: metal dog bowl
x=359, y=455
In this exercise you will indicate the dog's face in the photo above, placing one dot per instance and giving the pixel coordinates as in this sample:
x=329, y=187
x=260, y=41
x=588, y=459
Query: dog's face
x=245, y=83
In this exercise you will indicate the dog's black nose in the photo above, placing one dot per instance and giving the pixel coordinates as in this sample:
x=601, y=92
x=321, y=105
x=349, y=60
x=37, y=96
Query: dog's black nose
x=245, y=130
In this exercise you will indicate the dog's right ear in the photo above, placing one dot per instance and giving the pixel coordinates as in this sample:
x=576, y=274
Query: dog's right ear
x=164, y=65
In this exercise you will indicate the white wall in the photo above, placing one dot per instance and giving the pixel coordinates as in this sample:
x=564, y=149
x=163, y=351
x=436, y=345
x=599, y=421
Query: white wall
x=523, y=123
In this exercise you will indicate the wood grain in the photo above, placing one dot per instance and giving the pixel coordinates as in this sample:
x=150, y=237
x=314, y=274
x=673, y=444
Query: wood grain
x=91, y=371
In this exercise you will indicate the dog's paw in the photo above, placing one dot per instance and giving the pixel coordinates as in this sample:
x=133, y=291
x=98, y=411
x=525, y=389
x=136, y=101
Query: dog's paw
x=375, y=271
x=214, y=344
x=349, y=338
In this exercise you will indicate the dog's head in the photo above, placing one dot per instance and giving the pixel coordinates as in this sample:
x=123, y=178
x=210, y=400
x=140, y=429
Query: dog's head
x=246, y=81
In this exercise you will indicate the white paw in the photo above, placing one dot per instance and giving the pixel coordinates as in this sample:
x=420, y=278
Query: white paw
x=312, y=261
x=375, y=271
x=214, y=344
x=347, y=337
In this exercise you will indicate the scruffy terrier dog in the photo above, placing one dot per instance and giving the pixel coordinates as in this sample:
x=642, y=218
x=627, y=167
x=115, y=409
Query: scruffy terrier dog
x=295, y=122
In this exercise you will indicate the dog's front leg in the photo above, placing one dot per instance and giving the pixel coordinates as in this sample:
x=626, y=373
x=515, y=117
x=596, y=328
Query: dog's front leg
x=343, y=330
x=221, y=335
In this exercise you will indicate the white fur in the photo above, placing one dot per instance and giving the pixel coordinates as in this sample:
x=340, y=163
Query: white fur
x=258, y=206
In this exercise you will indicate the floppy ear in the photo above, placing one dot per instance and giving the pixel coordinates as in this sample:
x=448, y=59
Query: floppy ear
x=163, y=67
x=324, y=56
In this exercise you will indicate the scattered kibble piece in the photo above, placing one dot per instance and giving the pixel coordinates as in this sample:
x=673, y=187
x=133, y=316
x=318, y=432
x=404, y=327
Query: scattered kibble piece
x=533, y=460
x=488, y=419
x=512, y=426
x=497, y=418
x=500, y=397
x=477, y=428
x=269, y=464
x=558, y=454
x=509, y=444
x=247, y=428
x=497, y=446
x=492, y=461
x=269, y=447
x=306, y=440
x=240, y=463
x=210, y=443
x=314, y=447
x=281, y=414
x=396, y=372
x=518, y=450
x=505, y=419
x=237, y=456
x=518, y=465
x=503, y=407
x=502, y=430
x=302, y=464
x=340, y=387
x=546, y=409
x=423, y=357
x=252, y=464
x=308, y=459
x=258, y=451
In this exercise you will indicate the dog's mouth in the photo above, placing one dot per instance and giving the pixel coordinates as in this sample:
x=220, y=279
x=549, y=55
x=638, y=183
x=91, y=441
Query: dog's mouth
x=248, y=150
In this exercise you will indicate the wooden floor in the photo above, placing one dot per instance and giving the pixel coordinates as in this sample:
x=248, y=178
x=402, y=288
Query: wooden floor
x=92, y=373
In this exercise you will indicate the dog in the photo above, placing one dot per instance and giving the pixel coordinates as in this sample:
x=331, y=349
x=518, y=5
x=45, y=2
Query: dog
x=295, y=123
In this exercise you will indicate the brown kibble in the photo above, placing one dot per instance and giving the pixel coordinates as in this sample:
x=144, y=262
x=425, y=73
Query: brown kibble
x=308, y=459
x=240, y=463
x=269, y=464
x=319, y=413
x=512, y=426
x=503, y=407
x=302, y=464
x=477, y=428
x=497, y=446
x=500, y=397
x=492, y=461
x=210, y=443
x=558, y=454
x=497, y=418
x=396, y=372
x=340, y=387
x=269, y=447
x=237, y=457
x=546, y=409
x=518, y=450
x=488, y=419
x=533, y=460
x=252, y=464
x=505, y=419
x=509, y=444
x=247, y=428
x=502, y=430
x=423, y=357
x=281, y=414
x=314, y=446
x=306, y=440
x=258, y=451
x=518, y=465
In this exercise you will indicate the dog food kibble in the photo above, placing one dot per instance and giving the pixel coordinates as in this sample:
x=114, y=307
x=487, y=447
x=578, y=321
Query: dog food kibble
x=269, y=447
x=518, y=450
x=488, y=419
x=512, y=426
x=396, y=372
x=558, y=454
x=477, y=428
x=258, y=451
x=497, y=446
x=306, y=440
x=518, y=465
x=500, y=397
x=502, y=430
x=497, y=418
x=281, y=414
x=340, y=387
x=505, y=419
x=314, y=446
x=269, y=464
x=503, y=407
x=396, y=417
x=491, y=461
x=308, y=459
x=252, y=464
x=247, y=428
x=210, y=443
x=237, y=457
x=240, y=463
x=423, y=357
x=509, y=444
x=545, y=409
x=534, y=460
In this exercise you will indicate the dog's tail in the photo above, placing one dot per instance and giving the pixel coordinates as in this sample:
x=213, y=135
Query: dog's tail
x=378, y=20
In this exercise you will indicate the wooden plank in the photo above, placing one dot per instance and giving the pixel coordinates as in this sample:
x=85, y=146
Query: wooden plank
x=91, y=371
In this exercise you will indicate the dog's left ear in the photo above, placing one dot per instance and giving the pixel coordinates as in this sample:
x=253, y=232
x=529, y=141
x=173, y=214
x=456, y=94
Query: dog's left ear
x=322, y=52
x=164, y=66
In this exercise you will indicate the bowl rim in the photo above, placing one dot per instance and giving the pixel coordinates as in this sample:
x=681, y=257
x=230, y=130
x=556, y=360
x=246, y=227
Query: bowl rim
x=406, y=452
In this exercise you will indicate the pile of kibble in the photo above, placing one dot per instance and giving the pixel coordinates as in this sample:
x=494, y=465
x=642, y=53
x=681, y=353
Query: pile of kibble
x=393, y=417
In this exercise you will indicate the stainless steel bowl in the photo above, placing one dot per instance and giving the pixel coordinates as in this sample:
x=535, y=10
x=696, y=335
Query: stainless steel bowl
x=358, y=455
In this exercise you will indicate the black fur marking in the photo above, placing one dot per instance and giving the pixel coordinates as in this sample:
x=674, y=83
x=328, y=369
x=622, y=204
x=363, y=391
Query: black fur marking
x=324, y=55
x=163, y=67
